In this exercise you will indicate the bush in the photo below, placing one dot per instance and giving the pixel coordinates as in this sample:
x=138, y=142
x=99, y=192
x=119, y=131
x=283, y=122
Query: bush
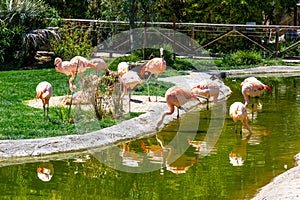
x=131, y=58
x=168, y=55
x=73, y=42
x=18, y=20
x=240, y=58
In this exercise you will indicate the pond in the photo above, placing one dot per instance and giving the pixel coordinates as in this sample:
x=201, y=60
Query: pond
x=180, y=161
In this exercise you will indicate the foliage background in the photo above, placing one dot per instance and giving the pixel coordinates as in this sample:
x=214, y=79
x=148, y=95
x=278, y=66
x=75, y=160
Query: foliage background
x=19, y=20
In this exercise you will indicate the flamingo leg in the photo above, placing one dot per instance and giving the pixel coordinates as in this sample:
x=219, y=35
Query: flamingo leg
x=156, y=85
x=47, y=109
x=235, y=128
x=71, y=86
x=147, y=81
x=207, y=107
x=44, y=108
x=129, y=95
x=177, y=112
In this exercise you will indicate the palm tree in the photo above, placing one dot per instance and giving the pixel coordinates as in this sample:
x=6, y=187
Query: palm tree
x=27, y=19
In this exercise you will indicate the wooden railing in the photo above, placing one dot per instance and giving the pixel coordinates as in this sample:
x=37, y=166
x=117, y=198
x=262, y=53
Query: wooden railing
x=260, y=35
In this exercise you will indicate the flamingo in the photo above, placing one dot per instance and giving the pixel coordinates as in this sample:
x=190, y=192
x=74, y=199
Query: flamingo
x=176, y=96
x=154, y=66
x=67, y=68
x=207, y=89
x=253, y=87
x=100, y=65
x=44, y=92
x=129, y=80
x=238, y=112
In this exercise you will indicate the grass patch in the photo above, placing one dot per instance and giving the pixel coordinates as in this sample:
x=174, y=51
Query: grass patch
x=19, y=121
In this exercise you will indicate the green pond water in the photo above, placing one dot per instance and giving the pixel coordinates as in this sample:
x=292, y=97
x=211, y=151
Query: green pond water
x=188, y=159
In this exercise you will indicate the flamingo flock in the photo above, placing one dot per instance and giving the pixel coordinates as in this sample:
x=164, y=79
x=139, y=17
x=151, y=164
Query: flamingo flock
x=78, y=64
x=175, y=96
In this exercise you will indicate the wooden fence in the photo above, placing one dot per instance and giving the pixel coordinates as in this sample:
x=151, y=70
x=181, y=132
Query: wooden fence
x=266, y=37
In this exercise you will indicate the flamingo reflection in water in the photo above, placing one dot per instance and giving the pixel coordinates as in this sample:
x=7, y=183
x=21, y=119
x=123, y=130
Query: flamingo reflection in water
x=169, y=158
x=239, y=153
x=164, y=157
x=253, y=111
x=130, y=158
x=45, y=171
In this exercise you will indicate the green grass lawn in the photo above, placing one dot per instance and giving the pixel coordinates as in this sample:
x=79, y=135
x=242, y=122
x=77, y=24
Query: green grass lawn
x=19, y=121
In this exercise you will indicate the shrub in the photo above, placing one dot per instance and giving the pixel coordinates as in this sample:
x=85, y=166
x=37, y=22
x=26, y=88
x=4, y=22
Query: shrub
x=130, y=58
x=19, y=19
x=73, y=42
x=242, y=58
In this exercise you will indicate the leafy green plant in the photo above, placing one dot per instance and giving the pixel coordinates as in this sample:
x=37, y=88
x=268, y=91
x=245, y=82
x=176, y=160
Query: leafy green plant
x=240, y=58
x=73, y=41
x=130, y=58
x=183, y=64
x=18, y=40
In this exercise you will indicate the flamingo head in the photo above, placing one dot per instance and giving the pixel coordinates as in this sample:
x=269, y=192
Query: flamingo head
x=268, y=88
x=57, y=62
x=58, y=65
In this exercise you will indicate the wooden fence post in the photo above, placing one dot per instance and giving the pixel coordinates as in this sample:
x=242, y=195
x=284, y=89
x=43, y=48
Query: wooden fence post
x=276, y=41
x=145, y=39
x=174, y=36
x=193, y=34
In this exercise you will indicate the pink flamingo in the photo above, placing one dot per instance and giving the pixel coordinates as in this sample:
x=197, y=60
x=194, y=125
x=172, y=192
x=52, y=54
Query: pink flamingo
x=238, y=112
x=100, y=65
x=253, y=87
x=155, y=66
x=129, y=80
x=176, y=96
x=207, y=89
x=44, y=92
